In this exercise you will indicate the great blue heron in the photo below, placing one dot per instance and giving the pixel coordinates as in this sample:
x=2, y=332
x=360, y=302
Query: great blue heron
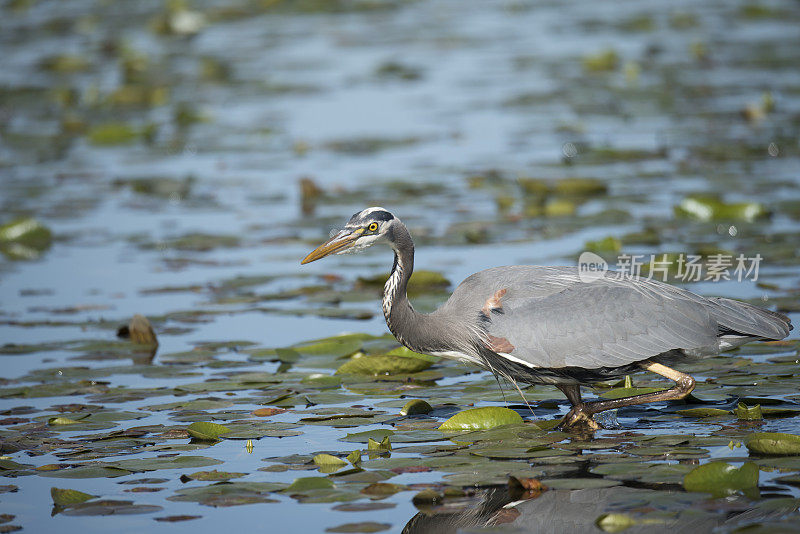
x=544, y=325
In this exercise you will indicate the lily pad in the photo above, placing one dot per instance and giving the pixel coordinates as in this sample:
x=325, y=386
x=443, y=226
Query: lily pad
x=328, y=463
x=68, y=497
x=481, y=419
x=207, y=431
x=704, y=412
x=416, y=407
x=748, y=413
x=721, y=478
x=305, y=484
x=383, y=365
x=773, y=443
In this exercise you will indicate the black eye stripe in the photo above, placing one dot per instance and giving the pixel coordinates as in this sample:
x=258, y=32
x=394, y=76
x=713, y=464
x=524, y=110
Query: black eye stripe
x=381, y=216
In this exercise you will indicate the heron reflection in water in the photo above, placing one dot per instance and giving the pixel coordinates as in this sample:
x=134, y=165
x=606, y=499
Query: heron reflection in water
x=544, y=325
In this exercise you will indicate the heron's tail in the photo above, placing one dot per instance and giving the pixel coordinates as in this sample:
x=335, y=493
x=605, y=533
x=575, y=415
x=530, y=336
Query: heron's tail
x=743, y=319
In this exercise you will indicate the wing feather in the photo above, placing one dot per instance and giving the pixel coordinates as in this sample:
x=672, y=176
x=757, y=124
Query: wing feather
x=594, y=325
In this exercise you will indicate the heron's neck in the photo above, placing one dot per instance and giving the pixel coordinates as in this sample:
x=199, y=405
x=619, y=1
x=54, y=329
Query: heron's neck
x=400, y=315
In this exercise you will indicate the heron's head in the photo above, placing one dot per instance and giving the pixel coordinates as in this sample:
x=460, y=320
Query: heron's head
x=365, y=228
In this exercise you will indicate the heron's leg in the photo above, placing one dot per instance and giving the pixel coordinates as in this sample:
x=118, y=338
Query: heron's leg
x=577, y=418
x=684, y=384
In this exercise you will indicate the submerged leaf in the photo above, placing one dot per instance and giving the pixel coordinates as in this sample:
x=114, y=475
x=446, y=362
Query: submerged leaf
x=481, y=419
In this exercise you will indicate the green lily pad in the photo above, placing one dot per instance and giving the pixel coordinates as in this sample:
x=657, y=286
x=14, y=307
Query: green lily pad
x=721, y=478
x=618, y=393
x=615, y=522
x=710, y=208
x=703, y=412
x=207, y=431
x=68, y=497
x=481, y=419
x=329, y=463
x=748, y=413
x=214, y=476
x=415, y=407
x=383, y=365
x=383, y=445
x=305, y=484
x=773, y=443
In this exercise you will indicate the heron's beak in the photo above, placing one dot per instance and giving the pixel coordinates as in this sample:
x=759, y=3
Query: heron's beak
x=340, y=241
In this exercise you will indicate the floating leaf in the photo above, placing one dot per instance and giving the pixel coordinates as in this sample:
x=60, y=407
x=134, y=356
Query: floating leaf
x=327, y=461
x=304, y=484
x=363, y=527
x=415, y=407
x=776, y=443
x=618, y=393
x=383, y=365
x=354, y=458
x=207, y=431
x=382, y=445
x=68, y=497
x=711, y=208
x=748, y=413
x=481, y=419
x=721, y=478
x=614, y=522
x=215, y=476
x=54, y=421
x=364, y=437
x=703, y=412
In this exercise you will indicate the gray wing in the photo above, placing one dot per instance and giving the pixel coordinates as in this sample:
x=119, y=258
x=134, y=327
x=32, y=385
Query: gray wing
x=592, y=325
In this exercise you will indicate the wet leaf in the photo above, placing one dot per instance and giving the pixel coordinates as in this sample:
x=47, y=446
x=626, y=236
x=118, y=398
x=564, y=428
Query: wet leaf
x=704, y=412
x=110, y=507
x=481, y=419
x=773, y=443
x=208, y=476
x=383, y=365
x=415, y=407
x=382, y=445
x=710, y=208
x=69, y=497
x=54, y=421
x=328, y=461
x=615, y=522
x=354, y=458
x=721, y=478
x=748, y=413
x=618, y=393
x=207, y=431
x=305, y=484
x=364, y=437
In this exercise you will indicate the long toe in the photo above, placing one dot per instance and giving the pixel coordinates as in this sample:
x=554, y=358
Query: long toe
x=577, y=420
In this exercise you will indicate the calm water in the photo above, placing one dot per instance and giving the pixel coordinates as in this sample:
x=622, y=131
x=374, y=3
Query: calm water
x=164, y=147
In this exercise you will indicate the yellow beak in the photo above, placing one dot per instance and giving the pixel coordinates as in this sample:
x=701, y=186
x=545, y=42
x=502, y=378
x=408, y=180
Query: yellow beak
x=340, y=241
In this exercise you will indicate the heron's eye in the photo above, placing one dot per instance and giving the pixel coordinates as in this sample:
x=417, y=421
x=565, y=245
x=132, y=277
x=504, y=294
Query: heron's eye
x=373, y=227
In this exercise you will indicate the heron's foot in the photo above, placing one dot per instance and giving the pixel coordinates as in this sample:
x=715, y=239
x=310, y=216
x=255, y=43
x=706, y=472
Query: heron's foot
x=578, y=420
